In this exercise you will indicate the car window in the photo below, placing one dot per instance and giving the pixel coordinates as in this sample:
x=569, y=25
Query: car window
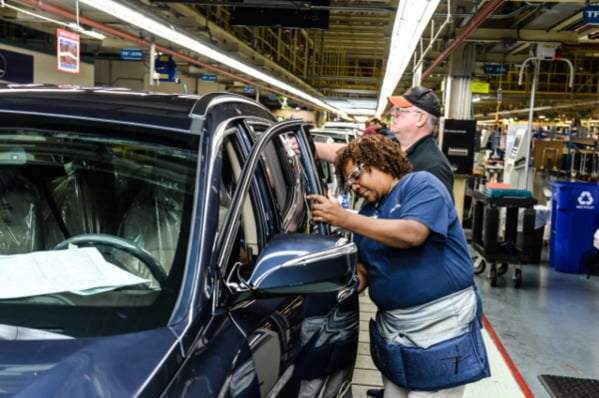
x=288, y=180
x=122, y=202
x=274, y=203
x=248, y=241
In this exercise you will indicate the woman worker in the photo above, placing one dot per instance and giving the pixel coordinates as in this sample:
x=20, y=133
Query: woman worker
x=413, y=256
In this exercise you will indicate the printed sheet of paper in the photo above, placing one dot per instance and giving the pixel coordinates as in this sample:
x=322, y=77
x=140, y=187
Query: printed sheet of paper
x=74, y=270
x=9, y=332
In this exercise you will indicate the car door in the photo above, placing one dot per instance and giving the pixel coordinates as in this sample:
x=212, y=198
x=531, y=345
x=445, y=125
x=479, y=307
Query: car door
x=249, y=346
x=220, y=362
x=291, y=337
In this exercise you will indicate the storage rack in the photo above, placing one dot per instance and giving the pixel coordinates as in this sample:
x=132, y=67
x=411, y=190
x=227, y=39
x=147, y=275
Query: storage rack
x=485, y=234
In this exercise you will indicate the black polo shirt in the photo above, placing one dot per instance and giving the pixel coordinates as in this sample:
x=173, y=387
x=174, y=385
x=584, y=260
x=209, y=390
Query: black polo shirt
x=425, y=155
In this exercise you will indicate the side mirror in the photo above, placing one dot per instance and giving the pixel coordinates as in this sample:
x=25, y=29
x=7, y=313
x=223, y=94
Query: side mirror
x=297, y=264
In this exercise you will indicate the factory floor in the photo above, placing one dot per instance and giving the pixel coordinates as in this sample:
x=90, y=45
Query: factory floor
x=547, y=326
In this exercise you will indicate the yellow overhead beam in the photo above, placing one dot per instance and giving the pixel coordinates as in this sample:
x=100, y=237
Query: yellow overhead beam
x=567, y=22
x=523, y=35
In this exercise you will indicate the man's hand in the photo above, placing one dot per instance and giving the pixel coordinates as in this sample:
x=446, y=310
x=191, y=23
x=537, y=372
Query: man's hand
x=294, y=145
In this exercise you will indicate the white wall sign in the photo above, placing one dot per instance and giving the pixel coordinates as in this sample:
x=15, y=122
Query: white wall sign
x=67, y=51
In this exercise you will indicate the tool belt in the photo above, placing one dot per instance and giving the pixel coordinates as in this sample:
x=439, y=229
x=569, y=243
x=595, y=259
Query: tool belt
x=447, y=364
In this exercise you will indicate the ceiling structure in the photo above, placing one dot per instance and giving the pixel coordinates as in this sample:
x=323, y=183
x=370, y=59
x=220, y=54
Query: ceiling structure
x=344, y=65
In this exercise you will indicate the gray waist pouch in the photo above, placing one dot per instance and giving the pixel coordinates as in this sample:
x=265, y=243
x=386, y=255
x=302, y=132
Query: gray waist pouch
x=447, y=364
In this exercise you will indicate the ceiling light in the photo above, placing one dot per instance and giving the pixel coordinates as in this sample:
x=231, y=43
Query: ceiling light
x=91, y=33
x=358, y=111
x=411, y=19
x=74, y=26
x=30, y=13
x=170, y=33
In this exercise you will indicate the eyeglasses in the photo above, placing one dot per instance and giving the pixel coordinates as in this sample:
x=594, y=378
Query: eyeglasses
x=397, y=110
x=352, y=178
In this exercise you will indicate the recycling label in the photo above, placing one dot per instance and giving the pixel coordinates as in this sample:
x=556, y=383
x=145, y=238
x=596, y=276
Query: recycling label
x=585, y=201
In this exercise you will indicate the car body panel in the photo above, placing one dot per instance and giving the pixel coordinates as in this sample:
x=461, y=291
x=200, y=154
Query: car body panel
x=336, y=135
x=165, y=174
x=77, y=367
x=350, y=127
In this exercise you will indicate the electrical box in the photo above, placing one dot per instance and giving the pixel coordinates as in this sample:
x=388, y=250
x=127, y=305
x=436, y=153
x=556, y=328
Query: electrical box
x=457, y=143
x=547, y=51
x=166, y=68
x=281, y=14
x=515, y=164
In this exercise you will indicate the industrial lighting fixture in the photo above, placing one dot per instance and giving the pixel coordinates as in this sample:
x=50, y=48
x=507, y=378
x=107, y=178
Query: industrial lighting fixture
x=359, y=111
x=361, y=119
x=170, y=33
x=411, y=19
x=571, y=105
x=80, y=29
x=74, y=26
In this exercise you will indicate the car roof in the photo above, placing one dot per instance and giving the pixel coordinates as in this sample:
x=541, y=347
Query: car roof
x=333, y=132
x=342, y=125
x=109, y=105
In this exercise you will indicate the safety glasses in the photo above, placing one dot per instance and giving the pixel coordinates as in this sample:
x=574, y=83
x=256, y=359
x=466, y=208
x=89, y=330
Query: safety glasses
x=352, y=178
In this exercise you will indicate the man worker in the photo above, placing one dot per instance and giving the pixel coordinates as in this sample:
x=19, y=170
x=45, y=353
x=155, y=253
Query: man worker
x=370, y=130
x=382, y=129
x=415, y=116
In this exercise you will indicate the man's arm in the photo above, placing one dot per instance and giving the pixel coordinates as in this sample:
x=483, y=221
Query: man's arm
x=324, y=150
x=328, y=151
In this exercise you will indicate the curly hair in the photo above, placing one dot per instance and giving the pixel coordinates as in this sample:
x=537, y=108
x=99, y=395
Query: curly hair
x=375, y=151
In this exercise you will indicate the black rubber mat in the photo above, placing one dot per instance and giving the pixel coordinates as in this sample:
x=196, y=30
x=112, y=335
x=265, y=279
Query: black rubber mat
x=570, y=387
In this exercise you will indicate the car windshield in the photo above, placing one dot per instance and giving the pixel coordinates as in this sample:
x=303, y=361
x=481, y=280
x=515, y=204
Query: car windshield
x=93, y=228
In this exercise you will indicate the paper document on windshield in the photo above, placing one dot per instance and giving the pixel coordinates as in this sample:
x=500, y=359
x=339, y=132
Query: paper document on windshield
x=74, y=270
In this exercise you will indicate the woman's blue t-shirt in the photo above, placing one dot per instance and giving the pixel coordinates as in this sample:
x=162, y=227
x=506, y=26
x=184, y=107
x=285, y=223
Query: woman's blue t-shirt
x=401, y=278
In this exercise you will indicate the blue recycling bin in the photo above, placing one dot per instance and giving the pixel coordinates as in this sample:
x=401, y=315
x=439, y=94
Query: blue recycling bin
x=574, y=219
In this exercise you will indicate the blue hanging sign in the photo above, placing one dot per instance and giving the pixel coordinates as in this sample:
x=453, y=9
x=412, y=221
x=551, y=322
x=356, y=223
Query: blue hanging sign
x=132, y=53
x=590, y=14
x=208, y=77
x=495, y=69
x=249, y=90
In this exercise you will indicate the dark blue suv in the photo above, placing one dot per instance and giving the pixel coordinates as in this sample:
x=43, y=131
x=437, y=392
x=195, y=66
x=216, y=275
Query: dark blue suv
x=161, y=245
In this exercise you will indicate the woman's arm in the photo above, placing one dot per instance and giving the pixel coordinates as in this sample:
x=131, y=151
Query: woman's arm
x=394, y=233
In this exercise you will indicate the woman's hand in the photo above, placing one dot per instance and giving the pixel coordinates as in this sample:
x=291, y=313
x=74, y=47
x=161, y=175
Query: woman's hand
x=327, y=209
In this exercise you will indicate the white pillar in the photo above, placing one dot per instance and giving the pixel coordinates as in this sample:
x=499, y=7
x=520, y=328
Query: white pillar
x=457, y=96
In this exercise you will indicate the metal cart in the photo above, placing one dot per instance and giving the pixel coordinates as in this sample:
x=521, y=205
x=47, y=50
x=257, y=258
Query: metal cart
x=490, y=248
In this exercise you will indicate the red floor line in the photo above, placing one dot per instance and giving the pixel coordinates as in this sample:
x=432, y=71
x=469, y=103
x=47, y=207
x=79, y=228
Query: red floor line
x=507, y=359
